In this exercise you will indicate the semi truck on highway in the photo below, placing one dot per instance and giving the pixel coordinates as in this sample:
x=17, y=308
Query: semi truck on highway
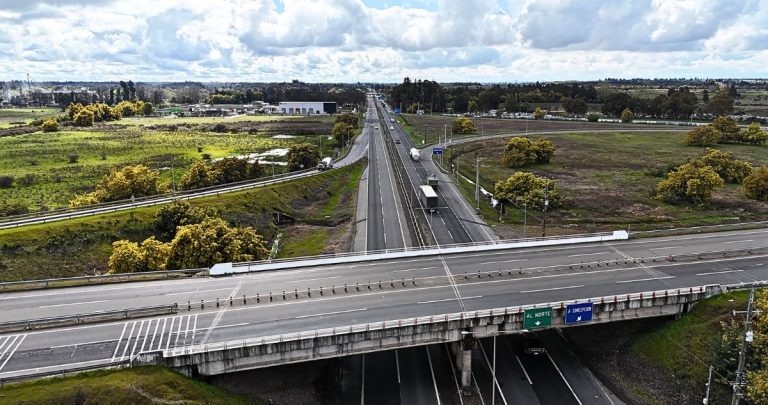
x=428, y=197
x=325, y=164
x=414, y=154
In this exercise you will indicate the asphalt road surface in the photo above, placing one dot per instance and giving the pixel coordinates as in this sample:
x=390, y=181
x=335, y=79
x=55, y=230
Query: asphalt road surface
x=440, y=287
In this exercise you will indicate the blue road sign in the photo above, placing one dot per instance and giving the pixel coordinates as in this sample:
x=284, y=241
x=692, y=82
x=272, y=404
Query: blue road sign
x=437, y=151
x=575, y=313
x=397, y=111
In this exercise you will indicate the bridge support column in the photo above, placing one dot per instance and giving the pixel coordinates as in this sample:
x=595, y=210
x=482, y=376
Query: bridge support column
x=463, y=352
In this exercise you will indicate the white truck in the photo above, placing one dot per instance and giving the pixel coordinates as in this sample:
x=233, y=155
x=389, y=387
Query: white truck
x=428, y=197
x=414, y=154
x=325, y=164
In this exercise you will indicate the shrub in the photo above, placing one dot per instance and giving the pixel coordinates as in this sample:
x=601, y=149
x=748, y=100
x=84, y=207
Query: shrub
x=302, y=156
x=705, y=135
x=50, y=126
x=199, y=175
x=544, y=150
x=539, y=113
x=728, y=128
x=6, y=181
x=347, y=118
x=756, y=184
x=179, y=213
x=213, y=241
x=127, y=182
x=689, y=183
x=206, y=156
x=28, y=179
x=342, y=133
x=126, y=257
x=463, y=125
x=627, y=116
x=520, y=151
x=73, y=157
x=84, y=118
x=13, y=207
x=527, y=189
x=220, y=128
x=754, y=134
x=592, y=117
x=723, y=163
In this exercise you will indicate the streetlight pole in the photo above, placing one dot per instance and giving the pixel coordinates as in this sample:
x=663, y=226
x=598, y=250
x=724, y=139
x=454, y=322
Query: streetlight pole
x=743, y=354
x=493, y=373
x=525, y=218
x=546, y=204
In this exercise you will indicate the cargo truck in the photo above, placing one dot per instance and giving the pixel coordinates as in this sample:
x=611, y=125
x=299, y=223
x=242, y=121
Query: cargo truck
x=325, y=164
x=414, y=153
x=428, y=198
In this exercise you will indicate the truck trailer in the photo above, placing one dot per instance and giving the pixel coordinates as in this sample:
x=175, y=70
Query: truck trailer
x=414, y=154
x=428, y=197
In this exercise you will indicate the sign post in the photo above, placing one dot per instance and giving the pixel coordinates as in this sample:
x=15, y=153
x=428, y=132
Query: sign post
x=576, y=313
x=537, y=318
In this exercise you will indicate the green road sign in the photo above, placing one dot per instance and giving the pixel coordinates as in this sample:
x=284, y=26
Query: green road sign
x=537, y=318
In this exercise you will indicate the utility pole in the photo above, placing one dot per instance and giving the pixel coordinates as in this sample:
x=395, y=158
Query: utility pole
x=546, y=204
x=477, y=182
x=709, y=384
x=525, y=218
x=740, y=377
x=445, y=137
x=173, y=177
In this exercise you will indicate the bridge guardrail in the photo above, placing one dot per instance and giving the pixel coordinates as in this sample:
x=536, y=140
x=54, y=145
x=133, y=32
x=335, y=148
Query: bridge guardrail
x=87, y=318
x=62, y=372
x=698, y=229
x=98, y=279
x=709, y=290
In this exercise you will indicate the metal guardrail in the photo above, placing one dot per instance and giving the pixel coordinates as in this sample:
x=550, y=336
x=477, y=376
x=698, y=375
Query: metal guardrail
x=87, y=318
x=63, y=372
x=425, y=320
x=98, y=279
x=698, y=229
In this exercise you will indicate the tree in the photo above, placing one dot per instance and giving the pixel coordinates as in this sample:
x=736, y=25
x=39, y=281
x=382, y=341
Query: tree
x=724, y=164
x=347, y=118
x=147, y=109
x=705, y=135
x=464, y=125
x=518, y=152
x=155, y=254
x=593, y=117
x=179, y=213
x=212, y=241
x=627, y=116
x=615, y=103
x=575, y=106
x=341, y=133
x=539, y=113
x=754, y=134
x=720, y=104
x=756, y=184
x=302, y=156
x=689, y=183
x=232, y=169
x=126, y=257
x=544, y=150
x=728, y=128
x=527, y=188
x=200, y=175
x=126, y=108
x=53, y=126
x=84, y=118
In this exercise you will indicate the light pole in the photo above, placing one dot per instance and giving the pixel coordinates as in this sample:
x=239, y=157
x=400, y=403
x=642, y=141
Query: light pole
x=546, y=204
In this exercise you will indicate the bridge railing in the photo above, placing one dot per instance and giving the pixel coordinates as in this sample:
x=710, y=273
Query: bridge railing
x=708, y=290
x=97, y=279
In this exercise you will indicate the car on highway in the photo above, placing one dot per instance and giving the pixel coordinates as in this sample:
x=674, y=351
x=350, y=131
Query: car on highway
x=533, y=346
x=397, y=140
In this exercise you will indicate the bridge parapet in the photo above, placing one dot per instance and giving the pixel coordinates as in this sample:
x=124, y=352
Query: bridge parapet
x=267, y=351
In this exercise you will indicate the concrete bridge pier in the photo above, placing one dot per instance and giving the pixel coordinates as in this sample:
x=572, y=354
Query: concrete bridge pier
x=463, y=352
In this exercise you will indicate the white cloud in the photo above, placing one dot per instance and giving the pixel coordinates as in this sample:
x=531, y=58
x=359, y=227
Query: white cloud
x=347, y=40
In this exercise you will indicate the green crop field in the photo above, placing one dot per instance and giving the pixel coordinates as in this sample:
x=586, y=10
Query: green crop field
x=202, y=120
x=608, y=181
x=18, y=116
x=45, y=178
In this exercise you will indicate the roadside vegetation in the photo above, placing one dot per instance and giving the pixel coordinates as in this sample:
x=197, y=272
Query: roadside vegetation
x=313, y=214
x=140, y=385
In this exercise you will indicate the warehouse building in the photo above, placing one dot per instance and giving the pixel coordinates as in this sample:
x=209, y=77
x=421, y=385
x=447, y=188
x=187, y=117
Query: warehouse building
x=307, y=107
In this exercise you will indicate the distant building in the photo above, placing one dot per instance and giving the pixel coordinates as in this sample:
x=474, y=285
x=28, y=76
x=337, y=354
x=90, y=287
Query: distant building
x=307, y=107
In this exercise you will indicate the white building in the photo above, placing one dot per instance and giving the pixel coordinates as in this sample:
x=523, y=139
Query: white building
x=307, y=107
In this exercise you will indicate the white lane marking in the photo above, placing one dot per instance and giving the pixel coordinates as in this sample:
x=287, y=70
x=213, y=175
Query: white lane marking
x=455, y=378
x=472, y=297
x=178, y=331
x=739, y=241
x=718, y=272
x=644, y=279
x=527, y=377
x=170, y=333
x=397, y=366
x=432, y=371
x=331, y=313
x=563, y=377
x=67, y=366
x=94, y=342
x=477, y=388
x=136, y=341
x=590, y=254
x=11, y=340
x=664, y=248
x=186, y=329
x=312, y=279
x=234, y=325
x=146, y=334
x=12, y=352
x=125, y=325
x=4, y=339
x=71, y=303
x=505, y=261
x=362, y=383
x=154, y=335
x=78, y=290
x=756, y=265
x=551, y=289
x=434, y=301
x=196, y=291
x=128, y=340
x=422, y=268
x=194, y=328
x=495, y=380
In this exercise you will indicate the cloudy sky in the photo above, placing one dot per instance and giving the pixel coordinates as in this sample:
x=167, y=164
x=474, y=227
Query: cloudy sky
x=381, y=40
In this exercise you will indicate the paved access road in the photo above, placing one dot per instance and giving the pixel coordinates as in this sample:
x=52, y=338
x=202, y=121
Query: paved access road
x=429, y=286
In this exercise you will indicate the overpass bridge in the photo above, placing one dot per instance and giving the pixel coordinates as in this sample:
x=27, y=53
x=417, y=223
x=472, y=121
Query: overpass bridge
x=315, y=310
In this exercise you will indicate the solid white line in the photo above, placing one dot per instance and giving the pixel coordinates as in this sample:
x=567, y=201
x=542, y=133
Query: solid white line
x=362, y=383
x=13, y=351
x=527, y=377
x=644, y=279
x=739, y=241
x=563, y=377
x=718, y=272
x=432, y=371
x=453, y=371
x=472, y=297
x=72, y=303
x=664, y=248
x=5, y=340
x=551, y=289
x=61, y=366
x=196, y=291
x=233, y=325
x=82, y=343
x=590, y=254
x=125, y=325
x=312, y=279
x=407, y=270
x=495, y=380
x=128, y=340
x=433, y=301
x=331, y=313
x=505, y=261
x=154, y=335
x=397, y=366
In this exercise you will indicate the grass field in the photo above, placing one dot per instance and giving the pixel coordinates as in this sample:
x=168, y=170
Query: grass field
x=202, y=120
x=18, y=116
x=316, y=213
x=141, y=385
x=608, y=181
x=45, y=178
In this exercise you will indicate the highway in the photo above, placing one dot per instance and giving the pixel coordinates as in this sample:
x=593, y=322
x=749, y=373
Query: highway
x=429, y=286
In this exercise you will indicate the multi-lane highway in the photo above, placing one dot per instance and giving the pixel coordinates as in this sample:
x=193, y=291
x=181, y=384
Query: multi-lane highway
x=433, y=285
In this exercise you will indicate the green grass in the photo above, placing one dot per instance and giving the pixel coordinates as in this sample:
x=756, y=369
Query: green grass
x=608, y=181
x=201, y=120
x=684, y=348
x=140, y=385
x=82, y=246
x=42, y=159
x=11, y=116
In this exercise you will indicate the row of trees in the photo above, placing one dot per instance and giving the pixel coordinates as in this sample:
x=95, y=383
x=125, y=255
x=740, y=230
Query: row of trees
x=521, y=151
x=121, y=184
x=695, y=181
x=725, y=130
x=87, y=115
x=344, y=129
x=228, y=170
x=197, y=238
